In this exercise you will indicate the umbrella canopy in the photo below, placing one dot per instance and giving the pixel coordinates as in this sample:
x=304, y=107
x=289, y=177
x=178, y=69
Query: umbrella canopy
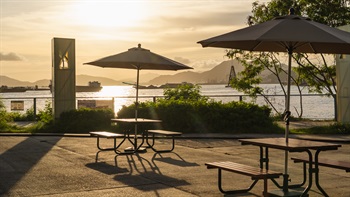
x=139, y=58
x=290, y=34
x=285, y=33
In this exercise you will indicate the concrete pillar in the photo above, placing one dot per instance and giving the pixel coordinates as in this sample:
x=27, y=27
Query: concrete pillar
x=343, y=84
x=63, y=75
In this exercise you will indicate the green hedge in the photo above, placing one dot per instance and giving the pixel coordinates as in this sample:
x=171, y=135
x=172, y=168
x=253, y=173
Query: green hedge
x=205, y=117
x=84, y=120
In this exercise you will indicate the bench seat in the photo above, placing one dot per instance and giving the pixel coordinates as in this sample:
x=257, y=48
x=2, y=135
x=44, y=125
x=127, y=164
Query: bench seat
x=105, y=134
x=165, y=133
x=108, y=135
x=255, y=173
x=342, y=165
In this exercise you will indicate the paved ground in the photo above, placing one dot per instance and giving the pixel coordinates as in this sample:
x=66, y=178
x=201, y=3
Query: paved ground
x=306, y=123
x=65, y=166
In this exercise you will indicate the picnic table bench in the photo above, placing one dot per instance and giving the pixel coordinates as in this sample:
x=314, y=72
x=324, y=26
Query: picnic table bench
x=105, y=134
x=256, y=174
x=167, y=134
x=342, y=165
x=108, y=135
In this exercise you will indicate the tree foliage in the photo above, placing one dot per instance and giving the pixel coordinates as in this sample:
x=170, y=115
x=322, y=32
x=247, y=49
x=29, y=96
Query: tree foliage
x=3, y=122
x=315, y=71
x=186, y=92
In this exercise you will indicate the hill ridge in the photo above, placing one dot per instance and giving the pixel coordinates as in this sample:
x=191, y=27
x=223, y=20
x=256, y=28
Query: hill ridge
x=218, y=74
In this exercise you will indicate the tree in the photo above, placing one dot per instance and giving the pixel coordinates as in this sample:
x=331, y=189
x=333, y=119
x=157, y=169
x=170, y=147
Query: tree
x=254, y=63
x=185, y=92
x=315, y=71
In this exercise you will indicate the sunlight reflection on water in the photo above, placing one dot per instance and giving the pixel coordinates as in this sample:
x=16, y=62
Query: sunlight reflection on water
x=314, y=107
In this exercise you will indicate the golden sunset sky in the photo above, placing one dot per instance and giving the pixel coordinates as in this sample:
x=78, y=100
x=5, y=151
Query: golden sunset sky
x=170, y=28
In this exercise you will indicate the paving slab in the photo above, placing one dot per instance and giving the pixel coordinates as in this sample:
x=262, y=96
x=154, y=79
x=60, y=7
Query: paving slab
x=66, y=166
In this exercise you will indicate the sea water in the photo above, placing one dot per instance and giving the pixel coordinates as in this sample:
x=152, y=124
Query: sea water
x=314, y=106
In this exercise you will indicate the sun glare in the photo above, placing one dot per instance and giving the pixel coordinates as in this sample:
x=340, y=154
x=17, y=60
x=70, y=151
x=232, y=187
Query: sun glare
x=109, y=13
x=119, y=93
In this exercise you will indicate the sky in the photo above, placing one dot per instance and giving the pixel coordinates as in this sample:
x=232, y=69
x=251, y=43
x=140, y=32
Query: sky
x=170, y=28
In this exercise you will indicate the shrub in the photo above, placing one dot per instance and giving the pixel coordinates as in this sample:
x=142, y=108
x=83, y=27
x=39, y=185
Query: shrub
x=16, y=116
x=203, y=117
x=184, y=109
x=3, y=122
x=4, y=119
x=46, y=115
x=84, y=120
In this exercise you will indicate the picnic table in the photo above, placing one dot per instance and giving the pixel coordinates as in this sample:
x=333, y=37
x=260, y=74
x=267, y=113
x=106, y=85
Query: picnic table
x=133, y=123
x=293, y=145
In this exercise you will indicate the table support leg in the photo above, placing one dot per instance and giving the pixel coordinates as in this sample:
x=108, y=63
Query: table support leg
x=316, y=174
x=264, y=159
x=135, y=148
x=135, y=136
x=128, y=136
x=142, y=141
x=310, y=174
x=285, y=182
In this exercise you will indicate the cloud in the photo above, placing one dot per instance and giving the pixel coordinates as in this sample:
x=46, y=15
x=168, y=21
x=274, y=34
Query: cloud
x=10, y=57
x=182, y=60
x=205, y=65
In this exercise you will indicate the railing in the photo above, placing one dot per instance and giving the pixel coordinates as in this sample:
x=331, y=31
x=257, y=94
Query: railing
x=21, y=104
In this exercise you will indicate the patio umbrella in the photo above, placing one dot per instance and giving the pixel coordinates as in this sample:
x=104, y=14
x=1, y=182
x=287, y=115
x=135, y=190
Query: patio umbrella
x=290, y=33
x=139, y=59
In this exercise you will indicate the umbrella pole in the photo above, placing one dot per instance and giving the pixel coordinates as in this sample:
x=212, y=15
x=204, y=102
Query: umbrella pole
x=287, y=112
x=286, y=119
x=136, y=105
x=137, y=92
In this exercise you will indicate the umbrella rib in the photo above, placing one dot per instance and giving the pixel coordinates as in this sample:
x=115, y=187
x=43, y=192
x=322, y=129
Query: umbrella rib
x=299, y=44
x=292, y=46
x=287, y=46
x=256, y=46
x=136, y=66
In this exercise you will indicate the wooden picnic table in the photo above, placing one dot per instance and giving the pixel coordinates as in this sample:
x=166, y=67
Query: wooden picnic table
x=135, y=122
x=292, y=145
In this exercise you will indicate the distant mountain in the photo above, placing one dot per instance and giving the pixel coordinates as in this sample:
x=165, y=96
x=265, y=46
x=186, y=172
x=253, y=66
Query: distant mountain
x=13, y=82
x=80, y=80
x=144, y=78
x=42, y=82
x=218, y=74
x=84, y=80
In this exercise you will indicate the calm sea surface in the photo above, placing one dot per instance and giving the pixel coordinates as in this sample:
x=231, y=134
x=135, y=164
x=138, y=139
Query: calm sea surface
x=314, y=107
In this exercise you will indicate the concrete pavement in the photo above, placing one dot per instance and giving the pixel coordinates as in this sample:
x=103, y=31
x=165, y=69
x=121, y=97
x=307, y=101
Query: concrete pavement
x=65, y=166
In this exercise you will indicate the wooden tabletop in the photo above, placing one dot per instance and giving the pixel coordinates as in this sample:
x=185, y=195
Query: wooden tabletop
x=292, y=145
x=134, y=120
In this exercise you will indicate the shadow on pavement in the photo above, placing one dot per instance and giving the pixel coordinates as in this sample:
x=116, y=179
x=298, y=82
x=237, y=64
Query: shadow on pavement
x=20, y=159
x=106, y=168
x=148, y=174
x=169, y=160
